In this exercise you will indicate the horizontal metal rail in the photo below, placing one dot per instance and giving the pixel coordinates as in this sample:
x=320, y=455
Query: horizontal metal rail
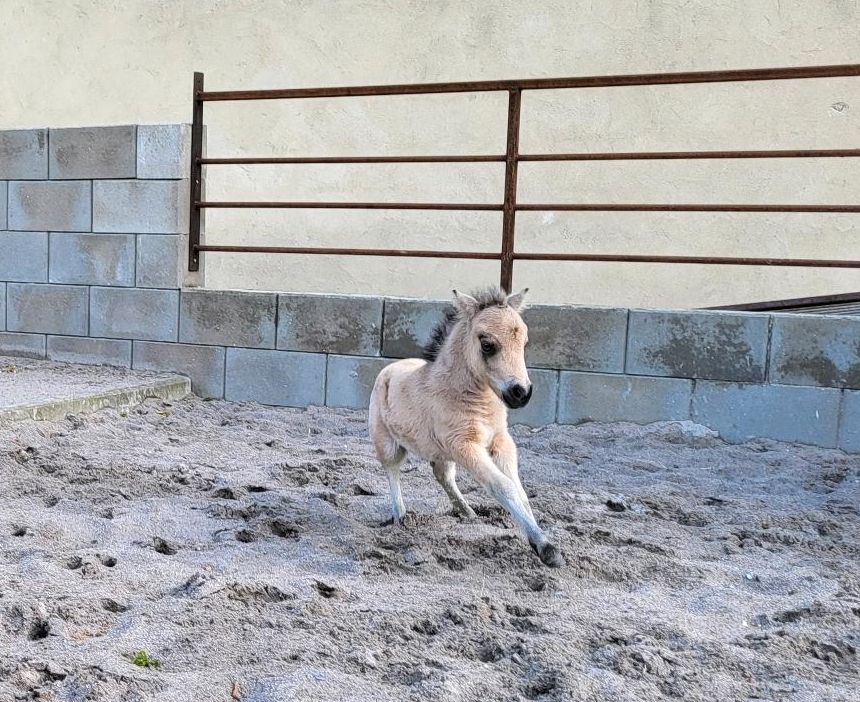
x=462, y=207
x=251, y=160
x=608, y=81
x=500, y=158
x=690, y=155
x=709, y=260
x=526, y=207
x=479, y=255
x=684, y=208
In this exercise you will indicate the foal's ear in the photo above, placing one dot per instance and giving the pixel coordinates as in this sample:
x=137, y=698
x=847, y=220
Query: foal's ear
x=465, y=304
x=518, y=300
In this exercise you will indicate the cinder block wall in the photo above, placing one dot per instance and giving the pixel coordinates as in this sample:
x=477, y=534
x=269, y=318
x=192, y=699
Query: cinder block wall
x=93, y=242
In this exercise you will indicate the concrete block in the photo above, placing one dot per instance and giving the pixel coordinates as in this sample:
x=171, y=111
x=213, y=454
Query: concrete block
x=50, y=206
x=159, y=260
x=349, y=325
x=849, y=424
x=24, y=257
x=350, y=380
x=2, y=306
x=92, y=259
x=97, y=352
x=22, y=345
x=203, y=364
x=93, y=152
x=712, y=345
x=228, y=318
x=24, y=154
x=811, y=349
x=4, y=198
x=600, y=397
x=541, y=410
x=47, y=309
x=164, y=151
x=408, y=324
x=283, y=378
x=576, y=338
x=140, y=206
x=740, y=412
x=134, y=313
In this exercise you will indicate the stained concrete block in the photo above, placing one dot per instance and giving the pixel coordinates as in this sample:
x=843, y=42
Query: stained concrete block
x=349, y=325
x=203, y=364
x=22, y=345
x=4, y=197
x=93, y=152
x=228, y=318
x=47, y=309
x=284, y=378
x=98, y=352
x=350, y=380
x=50, y=206
x=712, y=345
x=164, y=151
x=600, y=397
x=541, y=410
x=2, y=306
x=815, y=350
x=849, y=425
x=576, y=338
x=140, y=206
x=740, y=412
x=408, y=324
x=134, y=313
x=24, y=154
x=159, y=260
x=92, y=259
x=24, y=257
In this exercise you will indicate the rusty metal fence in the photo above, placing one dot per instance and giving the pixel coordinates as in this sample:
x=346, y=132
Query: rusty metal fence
x=507, y=253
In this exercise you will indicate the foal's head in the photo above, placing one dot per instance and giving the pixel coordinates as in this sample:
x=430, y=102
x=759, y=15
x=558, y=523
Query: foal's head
x=493, y=339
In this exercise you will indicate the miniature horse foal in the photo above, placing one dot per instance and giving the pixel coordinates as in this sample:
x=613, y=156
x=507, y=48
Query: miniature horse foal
x=451, y=408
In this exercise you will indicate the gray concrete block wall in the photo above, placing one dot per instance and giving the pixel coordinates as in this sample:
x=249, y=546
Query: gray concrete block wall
x=24, y=257
x=24, y=154
x=712, y=345
x=811, y=349
x=93, y=152
x=93, y=248
x=227, y=318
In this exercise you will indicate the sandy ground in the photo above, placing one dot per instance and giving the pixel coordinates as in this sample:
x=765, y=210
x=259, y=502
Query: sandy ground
x=242, y=547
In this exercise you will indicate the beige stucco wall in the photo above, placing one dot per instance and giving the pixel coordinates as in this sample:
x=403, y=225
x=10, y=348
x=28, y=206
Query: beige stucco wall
x=105, y=62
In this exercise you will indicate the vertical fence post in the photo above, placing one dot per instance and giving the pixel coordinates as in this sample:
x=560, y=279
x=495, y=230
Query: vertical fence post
x=512, y=154
x=196, y=175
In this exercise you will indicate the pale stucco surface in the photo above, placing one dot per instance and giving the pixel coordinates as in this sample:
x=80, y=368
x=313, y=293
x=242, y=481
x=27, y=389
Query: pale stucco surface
x=94, y=62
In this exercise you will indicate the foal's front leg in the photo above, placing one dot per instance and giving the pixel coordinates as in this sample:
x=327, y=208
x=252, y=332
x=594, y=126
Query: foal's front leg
x=476, y=459
x=503, y=451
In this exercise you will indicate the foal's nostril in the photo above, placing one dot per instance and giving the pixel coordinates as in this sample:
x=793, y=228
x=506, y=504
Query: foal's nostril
x=517, y=395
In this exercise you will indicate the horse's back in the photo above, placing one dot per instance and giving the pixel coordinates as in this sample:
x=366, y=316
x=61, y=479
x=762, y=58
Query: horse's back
x=391, y=379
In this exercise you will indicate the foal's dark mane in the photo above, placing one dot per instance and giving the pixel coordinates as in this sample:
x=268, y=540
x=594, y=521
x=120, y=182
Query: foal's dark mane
x=489, y=297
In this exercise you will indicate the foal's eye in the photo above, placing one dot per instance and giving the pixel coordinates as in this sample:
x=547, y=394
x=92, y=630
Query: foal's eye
x=488, y=348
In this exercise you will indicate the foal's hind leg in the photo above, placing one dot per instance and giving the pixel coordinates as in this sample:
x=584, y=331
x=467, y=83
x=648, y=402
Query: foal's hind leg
x=391, y=455
x=392, y=467
x=446, y=473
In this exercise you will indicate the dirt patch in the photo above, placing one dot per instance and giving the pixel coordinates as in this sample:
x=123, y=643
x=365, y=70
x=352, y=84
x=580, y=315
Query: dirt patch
x=242, y=548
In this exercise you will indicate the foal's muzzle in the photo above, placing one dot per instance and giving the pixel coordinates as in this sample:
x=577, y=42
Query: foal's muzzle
x=516, y=395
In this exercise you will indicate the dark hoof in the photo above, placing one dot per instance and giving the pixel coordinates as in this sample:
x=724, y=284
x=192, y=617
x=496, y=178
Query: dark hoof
x=549, y=555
